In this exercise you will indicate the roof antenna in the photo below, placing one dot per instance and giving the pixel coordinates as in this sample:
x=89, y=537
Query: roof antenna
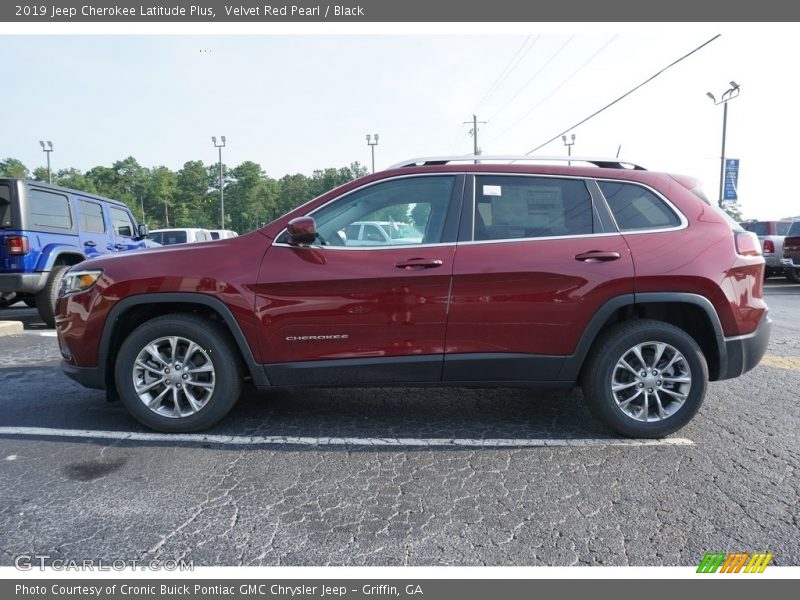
x=619, y=149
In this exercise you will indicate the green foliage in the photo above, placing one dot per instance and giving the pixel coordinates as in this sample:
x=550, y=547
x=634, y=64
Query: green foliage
x=419, y=215
x=73, y=178
x=11, y=167
x=734, y=210
x=40, y=174
x=190, y=197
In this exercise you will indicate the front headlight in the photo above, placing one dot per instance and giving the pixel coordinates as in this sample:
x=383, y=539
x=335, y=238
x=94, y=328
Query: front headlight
x=78, y=281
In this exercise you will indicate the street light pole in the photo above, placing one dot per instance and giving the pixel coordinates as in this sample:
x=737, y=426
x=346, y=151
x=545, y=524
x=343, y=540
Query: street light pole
x=569, y=145
x=372, y=145
x=48, y=148
x=726, y=96
x=221, y=189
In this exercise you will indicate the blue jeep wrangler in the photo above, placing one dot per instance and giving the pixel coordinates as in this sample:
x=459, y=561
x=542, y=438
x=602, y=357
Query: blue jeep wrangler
x=44, y=229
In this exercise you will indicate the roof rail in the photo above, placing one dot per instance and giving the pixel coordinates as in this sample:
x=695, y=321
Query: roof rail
x=606, y=163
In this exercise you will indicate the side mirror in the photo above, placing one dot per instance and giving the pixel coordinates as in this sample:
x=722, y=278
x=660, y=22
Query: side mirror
x=302, y=231
x=144, y=230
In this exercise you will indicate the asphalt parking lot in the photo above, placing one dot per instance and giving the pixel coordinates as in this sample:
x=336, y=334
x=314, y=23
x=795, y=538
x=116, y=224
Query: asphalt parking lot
x=344, y=477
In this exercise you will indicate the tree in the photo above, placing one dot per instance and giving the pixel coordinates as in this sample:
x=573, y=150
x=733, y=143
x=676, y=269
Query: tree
x=158, y=194
x=75, y=179
x=294, y=190
x=734, y=211
x=193, y=206
x=251, y=195
x=40, y=174
x=420, y=214
x=11, y=167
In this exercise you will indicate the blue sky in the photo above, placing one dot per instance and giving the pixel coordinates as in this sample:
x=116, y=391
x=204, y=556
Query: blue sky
x=294, y=103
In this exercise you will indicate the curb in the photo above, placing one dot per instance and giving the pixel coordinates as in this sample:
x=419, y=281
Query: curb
x=11, y=328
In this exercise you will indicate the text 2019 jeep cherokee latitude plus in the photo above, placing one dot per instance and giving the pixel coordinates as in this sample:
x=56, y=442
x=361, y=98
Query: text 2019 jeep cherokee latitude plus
x=620, y=279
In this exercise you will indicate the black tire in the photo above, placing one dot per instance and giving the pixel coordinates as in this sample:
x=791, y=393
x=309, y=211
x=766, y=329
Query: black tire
x=216, y=347
x=599, y=372
x=793, y=274
x=46, y=298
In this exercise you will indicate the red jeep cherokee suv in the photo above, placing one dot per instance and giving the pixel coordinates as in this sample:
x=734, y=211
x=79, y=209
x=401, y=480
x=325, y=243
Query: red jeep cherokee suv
x=623, y=280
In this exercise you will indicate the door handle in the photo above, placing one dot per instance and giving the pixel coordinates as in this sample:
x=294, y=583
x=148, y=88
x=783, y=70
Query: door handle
x=595, y=256
x=419, y=263
x=122, y=247
x=90, y=244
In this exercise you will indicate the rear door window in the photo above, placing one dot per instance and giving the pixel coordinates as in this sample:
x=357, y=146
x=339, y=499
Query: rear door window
x=518, y=207
x=637, y=208
x=49, y=209
x=92, y=217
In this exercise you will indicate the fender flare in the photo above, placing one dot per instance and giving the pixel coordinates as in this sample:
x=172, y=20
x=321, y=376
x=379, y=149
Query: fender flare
x=572, y=366
x=52, y=252
x=256, y=371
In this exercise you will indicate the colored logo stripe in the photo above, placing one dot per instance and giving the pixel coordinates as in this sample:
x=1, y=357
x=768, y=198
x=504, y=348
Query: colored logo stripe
x=758, y=563
x=711, y=562
x=734, y=561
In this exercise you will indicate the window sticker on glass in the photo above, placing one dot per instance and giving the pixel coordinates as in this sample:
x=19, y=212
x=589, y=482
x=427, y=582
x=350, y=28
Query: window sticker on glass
x=492, y=190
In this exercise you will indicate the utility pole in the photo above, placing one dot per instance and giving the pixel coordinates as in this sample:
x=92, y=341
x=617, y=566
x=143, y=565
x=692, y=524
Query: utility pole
x=474, y=133
x=221, y=190
x=569, y=145
x=726, y=96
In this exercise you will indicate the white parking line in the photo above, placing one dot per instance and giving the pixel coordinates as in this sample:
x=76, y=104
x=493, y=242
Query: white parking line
x=252, y=440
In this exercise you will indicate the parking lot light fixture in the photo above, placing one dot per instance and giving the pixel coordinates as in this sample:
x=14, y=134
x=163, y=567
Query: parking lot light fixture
x=372, y=145
x=220, y=146
x=47, y=147
x=728, y=95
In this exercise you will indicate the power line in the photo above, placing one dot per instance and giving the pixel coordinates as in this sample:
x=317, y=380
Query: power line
x=509, y=68
x=626, y=94
x=462, y=133
x=558, y=87
x=535, y=75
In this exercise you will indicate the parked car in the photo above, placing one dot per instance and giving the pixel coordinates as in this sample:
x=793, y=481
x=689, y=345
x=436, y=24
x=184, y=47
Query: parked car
x=222, y=234
x=791, y=253
x=625, y=281
x=377, y=233
x=180, y=235
x=770, y=234
x=45, y=229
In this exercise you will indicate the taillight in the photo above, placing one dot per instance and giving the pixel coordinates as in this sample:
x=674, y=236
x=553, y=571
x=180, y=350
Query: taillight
x=769, y=247
x=17, y=245
x=747, y=243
